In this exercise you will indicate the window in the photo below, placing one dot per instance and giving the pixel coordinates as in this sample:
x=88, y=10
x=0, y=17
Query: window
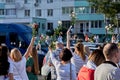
x=38, y=1
x=82, y=9
x=38, y=12
x=18, y=41
x=10, y=1
x=49, y=1
x=2, y=37
x=87, y=27
x=100, y=24
x=66, y=24
x=67, y=10
x=1, y=11
x=43, y=26
x=10, y=11
x=50, y=12
x=50, y=26
x=25, y=1
x=96, y=24
x=27, y=12
x=93, y=10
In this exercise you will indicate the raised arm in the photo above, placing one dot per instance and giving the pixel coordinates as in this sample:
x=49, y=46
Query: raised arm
x=53, y=59
x=68, y=38
x=29, y=49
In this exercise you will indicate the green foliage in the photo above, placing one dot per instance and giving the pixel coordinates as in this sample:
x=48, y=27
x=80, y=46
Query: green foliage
x=58, y=30
x=107, y=7
x=52, y=45
x=34, y=32
x=73, y=20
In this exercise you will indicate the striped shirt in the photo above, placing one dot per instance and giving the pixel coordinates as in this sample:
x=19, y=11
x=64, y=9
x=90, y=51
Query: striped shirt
x=78, y=62
x=64, y=72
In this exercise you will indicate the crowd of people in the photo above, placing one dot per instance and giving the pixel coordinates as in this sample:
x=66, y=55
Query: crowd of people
x=66, y=64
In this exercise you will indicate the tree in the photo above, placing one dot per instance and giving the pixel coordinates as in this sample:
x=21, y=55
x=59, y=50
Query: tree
x=60, y=29
x=110, y=8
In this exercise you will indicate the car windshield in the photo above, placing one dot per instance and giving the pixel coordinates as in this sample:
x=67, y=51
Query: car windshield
x=28, y=36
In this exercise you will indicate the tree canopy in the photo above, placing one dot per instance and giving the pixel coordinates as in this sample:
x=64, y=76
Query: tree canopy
x=110, y=8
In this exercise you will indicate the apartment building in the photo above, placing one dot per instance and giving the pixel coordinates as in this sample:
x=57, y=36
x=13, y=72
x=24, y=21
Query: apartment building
x=48, y=14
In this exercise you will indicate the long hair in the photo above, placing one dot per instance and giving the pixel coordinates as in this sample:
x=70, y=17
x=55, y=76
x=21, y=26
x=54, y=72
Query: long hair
x=15, y=55
x=34, y=55
x=4, y=64
x=97, y=57
x=80, y=50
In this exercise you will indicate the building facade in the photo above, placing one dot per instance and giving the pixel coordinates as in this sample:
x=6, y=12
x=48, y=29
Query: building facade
x=48, y=13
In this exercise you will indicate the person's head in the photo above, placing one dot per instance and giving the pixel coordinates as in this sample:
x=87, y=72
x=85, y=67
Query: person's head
x=59, y=45
x=97, y=57
x=79, y=49
x=111, y=52
x=65, y=54
x=15, y=55
x=86, y=50
x=34, y=55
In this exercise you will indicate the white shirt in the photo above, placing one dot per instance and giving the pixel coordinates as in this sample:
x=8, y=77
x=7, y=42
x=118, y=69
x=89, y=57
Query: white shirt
x=11, y=65
x=19, y=70
x=1, y=77
x=63, y=70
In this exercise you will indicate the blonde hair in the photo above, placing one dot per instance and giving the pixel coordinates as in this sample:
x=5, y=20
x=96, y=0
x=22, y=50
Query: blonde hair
x=34, y=55
x=15, y=55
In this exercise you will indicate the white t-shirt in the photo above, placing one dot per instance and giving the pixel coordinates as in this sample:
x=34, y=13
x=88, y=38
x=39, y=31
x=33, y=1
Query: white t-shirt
x=63, y=70
x=1, y=77
x=11, y=65
x=19, y=70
